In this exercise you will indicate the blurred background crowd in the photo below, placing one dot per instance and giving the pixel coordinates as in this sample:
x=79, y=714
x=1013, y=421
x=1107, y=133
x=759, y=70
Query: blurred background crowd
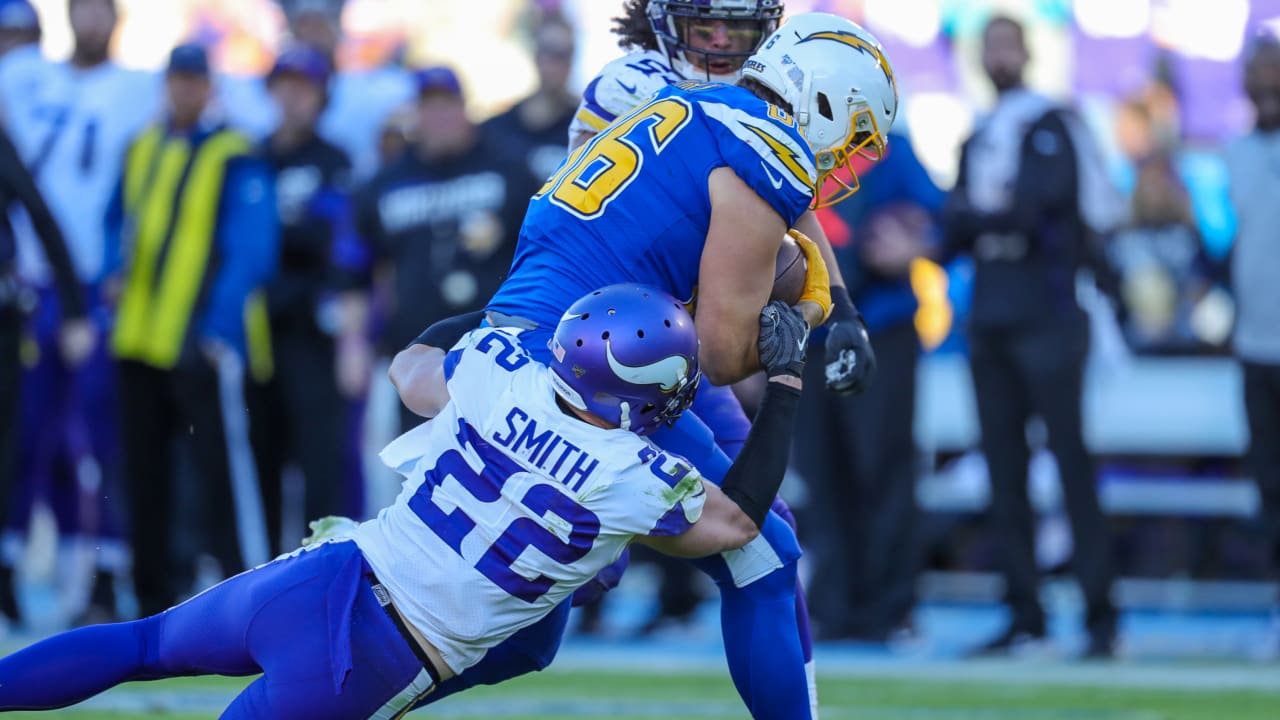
x=339, y=175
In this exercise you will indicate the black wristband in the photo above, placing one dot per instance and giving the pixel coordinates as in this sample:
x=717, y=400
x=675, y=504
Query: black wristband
x=753, y=480
x=446, y=333
x=794, y=369
x=842, y=309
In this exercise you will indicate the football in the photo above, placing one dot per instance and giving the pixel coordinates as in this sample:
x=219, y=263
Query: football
x=788, y=272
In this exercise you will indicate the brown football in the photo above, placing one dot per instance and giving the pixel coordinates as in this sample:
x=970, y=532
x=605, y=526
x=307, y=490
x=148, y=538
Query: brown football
x=788, y=273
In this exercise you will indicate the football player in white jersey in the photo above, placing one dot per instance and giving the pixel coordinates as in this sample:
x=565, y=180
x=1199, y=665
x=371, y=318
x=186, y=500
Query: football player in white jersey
x=528, y=481
x=671, y=41
x=71, y=121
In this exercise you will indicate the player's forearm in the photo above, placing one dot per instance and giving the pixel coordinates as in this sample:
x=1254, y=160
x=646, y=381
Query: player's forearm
x=727, y=355
x=727, y=338
x=756, y=474
x=723, y=526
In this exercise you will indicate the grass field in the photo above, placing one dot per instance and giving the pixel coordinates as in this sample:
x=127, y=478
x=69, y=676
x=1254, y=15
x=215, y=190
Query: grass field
x=561, y=695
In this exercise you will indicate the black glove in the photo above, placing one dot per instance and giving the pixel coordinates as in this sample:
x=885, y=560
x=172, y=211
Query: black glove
x=783, y=337
x=851, y=362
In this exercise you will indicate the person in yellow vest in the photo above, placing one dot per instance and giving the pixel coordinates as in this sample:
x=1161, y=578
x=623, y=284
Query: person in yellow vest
x=195, y=223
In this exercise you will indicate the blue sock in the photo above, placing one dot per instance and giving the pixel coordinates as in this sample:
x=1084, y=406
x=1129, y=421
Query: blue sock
x=767, y=638
x=763, y=645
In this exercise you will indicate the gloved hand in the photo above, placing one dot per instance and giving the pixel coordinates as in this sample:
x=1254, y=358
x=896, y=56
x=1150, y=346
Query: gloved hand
x=784, y=335
x=332, y=527
x=817, y=280
x=851, y=362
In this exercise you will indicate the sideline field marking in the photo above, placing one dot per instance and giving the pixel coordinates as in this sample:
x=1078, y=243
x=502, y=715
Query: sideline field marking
x=131, y=702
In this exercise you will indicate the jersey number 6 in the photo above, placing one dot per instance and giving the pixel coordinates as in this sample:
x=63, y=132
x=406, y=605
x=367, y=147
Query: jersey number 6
x=600, y=170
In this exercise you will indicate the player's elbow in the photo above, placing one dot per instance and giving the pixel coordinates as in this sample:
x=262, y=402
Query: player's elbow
x=726, y=348
x=719, y=376
x=416, y=374
x=722, y=366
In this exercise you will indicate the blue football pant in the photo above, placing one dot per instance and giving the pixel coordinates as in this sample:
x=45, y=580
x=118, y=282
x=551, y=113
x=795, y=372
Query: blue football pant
x=308, y=621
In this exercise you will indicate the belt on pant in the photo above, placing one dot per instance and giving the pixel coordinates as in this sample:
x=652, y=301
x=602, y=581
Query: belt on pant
x=384, y=599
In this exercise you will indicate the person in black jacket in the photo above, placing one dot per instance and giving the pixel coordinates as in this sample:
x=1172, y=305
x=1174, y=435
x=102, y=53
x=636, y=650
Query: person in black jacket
x=1026, y=201
x=445, y=216
x=77, y=337
x=319, y=357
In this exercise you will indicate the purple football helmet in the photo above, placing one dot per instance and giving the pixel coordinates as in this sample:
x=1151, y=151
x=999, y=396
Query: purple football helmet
x=628, y=353
x=684, y=31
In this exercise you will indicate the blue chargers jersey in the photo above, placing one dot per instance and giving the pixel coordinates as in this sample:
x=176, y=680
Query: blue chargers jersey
x=632, y=205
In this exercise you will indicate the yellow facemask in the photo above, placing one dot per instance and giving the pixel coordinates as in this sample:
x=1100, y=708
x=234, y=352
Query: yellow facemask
x=864, y=140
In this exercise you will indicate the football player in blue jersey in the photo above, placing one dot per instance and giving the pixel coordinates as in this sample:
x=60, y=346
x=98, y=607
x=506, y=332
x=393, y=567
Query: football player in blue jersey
x=670, y=41
x=524, y=486
x=694, y=190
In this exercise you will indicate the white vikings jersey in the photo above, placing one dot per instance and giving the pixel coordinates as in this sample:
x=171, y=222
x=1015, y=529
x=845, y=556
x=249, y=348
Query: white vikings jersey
x=621, y=86
x=510, y=504
x=72, y=128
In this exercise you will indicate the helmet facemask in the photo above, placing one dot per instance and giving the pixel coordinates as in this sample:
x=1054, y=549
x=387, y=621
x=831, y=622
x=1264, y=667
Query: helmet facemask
x=865, y=141
x=841, y=88
x=678, y=25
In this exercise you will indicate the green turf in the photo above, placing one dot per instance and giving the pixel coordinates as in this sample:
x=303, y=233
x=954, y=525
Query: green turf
x=564, y=695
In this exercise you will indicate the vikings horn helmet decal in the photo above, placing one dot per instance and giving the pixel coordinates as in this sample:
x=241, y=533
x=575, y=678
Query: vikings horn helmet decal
x=629, y=354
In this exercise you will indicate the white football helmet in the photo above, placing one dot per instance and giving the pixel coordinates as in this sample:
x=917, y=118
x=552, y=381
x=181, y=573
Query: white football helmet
x=841, y=89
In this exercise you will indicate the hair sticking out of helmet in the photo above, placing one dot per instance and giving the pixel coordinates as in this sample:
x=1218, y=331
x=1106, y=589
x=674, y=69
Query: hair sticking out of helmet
x=842, y=91
x=710, y=39
x=629, y=354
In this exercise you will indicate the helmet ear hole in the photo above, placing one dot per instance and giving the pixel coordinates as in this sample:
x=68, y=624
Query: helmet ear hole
x=824, y=107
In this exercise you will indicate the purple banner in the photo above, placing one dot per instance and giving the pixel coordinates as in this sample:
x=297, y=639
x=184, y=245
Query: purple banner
x=1117, y=67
